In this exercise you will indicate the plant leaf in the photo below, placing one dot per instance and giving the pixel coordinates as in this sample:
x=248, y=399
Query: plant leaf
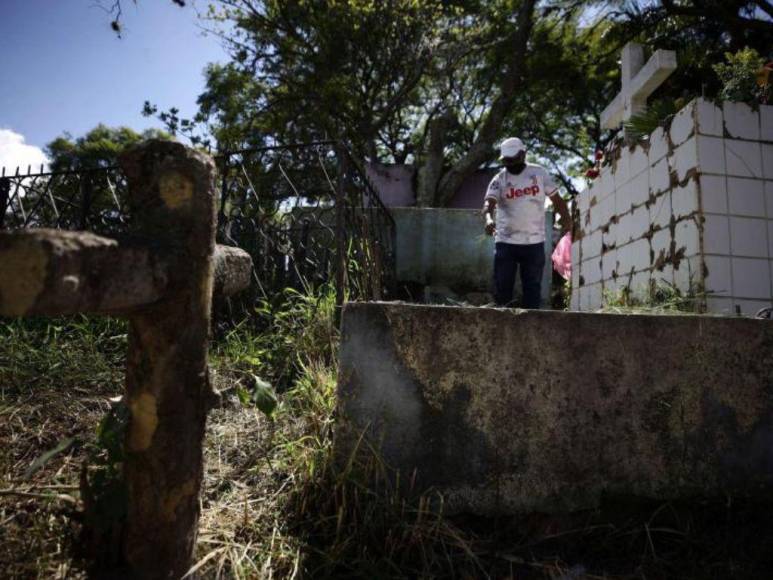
x=263, y=396
x=48, y=456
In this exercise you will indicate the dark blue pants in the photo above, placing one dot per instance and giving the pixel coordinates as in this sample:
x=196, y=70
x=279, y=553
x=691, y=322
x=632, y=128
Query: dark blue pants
x=507, y=259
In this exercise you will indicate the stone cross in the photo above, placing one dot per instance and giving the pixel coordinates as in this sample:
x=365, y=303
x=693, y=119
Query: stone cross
x=161, y=278
x=639, y=82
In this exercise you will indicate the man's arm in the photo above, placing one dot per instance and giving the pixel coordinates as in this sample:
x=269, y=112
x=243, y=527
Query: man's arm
x=563, y=210
x=489, y=205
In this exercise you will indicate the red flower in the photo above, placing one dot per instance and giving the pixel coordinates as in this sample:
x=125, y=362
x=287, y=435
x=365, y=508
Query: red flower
x=592, y=173
x=599, y=155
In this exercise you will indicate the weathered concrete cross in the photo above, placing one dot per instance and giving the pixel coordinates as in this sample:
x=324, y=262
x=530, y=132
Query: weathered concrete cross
x=639, y=82
x=162, y=279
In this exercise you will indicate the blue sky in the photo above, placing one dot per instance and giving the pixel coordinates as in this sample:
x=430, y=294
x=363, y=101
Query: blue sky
x=64, y=69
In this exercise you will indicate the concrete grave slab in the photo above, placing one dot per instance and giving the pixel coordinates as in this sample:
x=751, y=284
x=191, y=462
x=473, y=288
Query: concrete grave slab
x=485, y=407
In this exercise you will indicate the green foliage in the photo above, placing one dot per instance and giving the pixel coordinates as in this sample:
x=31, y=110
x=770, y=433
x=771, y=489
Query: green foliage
x=260, y=394
x=33, y=350
x=285, y=332
x=100, y=147
x=739, y=77
x=659, y=298
x=656, y=114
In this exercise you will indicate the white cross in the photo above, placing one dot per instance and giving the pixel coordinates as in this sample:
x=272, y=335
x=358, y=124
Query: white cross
x=639, y=82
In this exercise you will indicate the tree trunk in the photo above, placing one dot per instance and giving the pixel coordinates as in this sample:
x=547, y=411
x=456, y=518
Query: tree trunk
x=437, y=189
x=431, y=169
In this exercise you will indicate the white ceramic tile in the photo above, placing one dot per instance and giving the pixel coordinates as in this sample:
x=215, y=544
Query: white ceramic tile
x=684, y=158
x=585, y=222
x=590, y=298
x=609, y=235
x=574, y=303
x=658, y=146
x=606, y=181
x=720, y=306
x=638, y=188
x=639, y=161
x=748, y=237
x=684, y=200
x=621, y=167
x=751, y=278
x=575, y=278
x=683, y=125
x=751, y=307
x=591, y=271
x=594, y=189
x=640, y=221
x=593, y=223
x=746, y=196
x=608, y=264
x=713, y=193
x=576, y=252
x=623, y=202
x=708, y=118
x=688, y=273
x=718, y=280
x=716, y=234
x=591, y=245
x=766, y=122
x=767, y=161
x=659, y=179
x=744, y=158
x=660, y=210
x=583, y=200
x=661, y=241
x=639, y=255
x=605, y=210
x=640, y=285
x=687, y=237
x=711, y=155
x=741, y=121
x=624, y=229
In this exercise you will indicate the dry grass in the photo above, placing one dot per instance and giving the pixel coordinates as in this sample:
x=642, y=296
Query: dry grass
x=275, y=504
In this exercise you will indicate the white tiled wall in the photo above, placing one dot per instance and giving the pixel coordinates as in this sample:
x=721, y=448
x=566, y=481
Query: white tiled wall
x=695, y=206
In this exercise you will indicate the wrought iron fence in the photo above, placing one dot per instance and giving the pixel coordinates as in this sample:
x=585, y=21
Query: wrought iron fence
x=306, y=213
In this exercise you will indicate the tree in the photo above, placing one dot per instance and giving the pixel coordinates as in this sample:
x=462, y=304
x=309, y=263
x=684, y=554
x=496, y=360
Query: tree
x=115, y=10
x=98, y=148
x=85, y=189
x=432, y=83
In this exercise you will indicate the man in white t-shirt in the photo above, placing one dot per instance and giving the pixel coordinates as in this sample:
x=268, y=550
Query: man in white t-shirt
x=518, y=193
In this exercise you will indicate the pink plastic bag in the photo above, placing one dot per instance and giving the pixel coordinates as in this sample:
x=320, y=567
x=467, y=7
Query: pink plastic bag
x=562, y=256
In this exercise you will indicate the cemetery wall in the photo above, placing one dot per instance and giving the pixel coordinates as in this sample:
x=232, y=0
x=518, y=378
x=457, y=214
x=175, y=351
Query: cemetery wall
x=692, y=207
x=447, y=251
x=505, y=411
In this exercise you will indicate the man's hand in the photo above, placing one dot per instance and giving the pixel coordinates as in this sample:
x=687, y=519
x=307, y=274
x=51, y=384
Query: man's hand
x=488, y=211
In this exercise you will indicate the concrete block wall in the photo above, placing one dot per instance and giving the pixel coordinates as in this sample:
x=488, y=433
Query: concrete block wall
x=692, y=206
x=446, y=251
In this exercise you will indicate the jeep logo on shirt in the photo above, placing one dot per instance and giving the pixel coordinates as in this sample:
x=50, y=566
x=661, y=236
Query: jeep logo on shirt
x=533, y=189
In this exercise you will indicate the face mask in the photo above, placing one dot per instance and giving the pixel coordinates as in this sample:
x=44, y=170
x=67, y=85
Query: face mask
x=515, y=166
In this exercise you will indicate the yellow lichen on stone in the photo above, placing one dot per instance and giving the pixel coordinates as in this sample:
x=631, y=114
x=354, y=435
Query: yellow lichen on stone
x=23, y=269
x=175, y=189
x=144, y=422
x=174, y=498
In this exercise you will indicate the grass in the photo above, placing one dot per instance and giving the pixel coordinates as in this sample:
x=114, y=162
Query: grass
x=276, y=501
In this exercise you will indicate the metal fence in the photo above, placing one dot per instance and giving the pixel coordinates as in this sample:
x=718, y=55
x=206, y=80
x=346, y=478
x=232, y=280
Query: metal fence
x=306, y=213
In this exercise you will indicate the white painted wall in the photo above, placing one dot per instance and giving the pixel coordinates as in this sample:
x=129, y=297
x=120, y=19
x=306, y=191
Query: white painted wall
x=693, y=207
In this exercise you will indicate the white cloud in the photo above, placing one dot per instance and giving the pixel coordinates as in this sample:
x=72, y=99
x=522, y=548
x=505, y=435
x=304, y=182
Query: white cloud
x=14, y=152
